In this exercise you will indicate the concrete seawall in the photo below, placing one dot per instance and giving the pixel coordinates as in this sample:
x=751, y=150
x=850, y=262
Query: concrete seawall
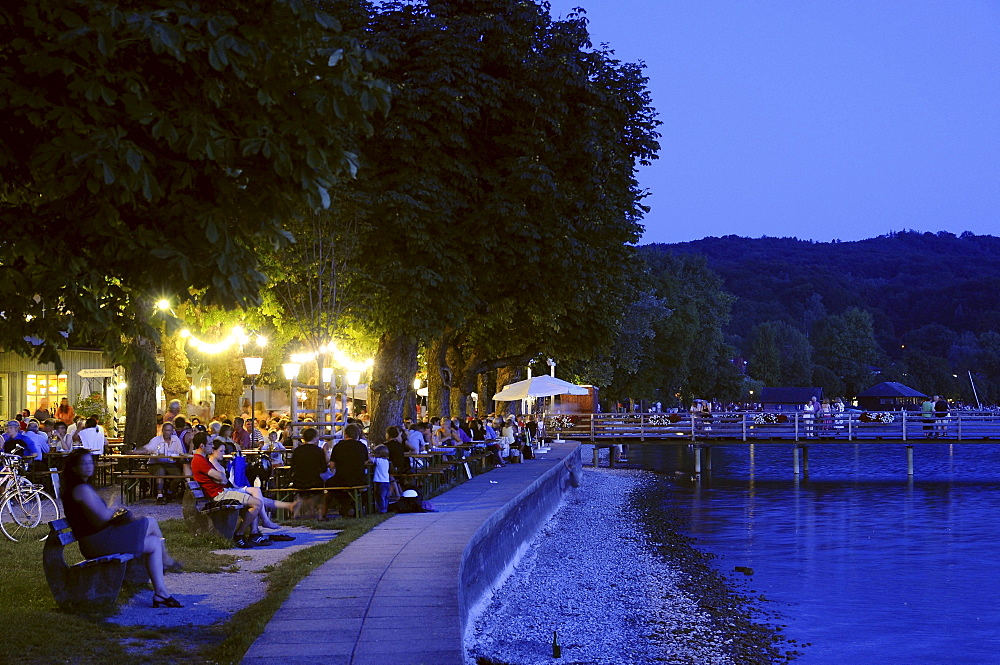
x=404, y=592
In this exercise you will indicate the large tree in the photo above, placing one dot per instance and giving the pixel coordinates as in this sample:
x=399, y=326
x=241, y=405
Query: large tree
x=155, y=146
x=780, y=355
x=501, y=190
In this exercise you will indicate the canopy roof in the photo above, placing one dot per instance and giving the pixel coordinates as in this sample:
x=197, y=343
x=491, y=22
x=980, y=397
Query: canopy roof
x=538, y=386
x=891, y=389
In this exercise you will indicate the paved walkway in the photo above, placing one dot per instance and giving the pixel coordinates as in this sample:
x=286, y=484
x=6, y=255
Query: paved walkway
x=394, y=595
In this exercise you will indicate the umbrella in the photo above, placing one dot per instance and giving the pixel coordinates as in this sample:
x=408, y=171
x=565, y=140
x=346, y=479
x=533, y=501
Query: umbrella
x=538, y=386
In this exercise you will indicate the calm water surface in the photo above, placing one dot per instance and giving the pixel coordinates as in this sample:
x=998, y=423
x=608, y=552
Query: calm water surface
x=864, y=564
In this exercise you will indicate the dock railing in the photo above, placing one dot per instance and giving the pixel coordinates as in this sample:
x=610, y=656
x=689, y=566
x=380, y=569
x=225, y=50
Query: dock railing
x=787, y=425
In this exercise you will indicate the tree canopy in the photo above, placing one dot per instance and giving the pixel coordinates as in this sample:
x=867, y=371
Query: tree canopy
x=155, y=147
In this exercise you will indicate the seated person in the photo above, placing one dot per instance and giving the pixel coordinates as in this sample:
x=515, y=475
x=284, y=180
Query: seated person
x=208, y=471
x=347, y=461
x=100, y=531
x=274, y=446
x=166, y=444
x=91, y=437
x=308, y=463
x=226, y=436
x=398, y=461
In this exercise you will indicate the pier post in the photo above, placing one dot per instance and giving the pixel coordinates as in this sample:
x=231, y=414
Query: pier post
x=805, y=460
x=909, y=461
x=796, y=427
x=708, y=459
x=697, y=459
x=795, y=460
x=642, y=431
x=904, y=425
x=596, y=449
x=744, y=426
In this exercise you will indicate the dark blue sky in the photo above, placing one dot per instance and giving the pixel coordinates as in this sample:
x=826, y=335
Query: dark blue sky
x=819, y=119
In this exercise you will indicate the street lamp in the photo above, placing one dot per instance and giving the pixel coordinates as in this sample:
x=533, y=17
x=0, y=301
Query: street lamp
x=353, y=379
x=253, y=365
x=291, y=371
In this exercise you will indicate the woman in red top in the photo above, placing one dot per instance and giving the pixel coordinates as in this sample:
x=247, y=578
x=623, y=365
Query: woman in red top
x=65, y=412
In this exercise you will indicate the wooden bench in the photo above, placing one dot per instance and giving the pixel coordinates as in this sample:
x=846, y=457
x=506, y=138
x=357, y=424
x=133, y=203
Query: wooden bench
x=203, y=515
x=93, y=584
x=313, y=494
x=131, y=484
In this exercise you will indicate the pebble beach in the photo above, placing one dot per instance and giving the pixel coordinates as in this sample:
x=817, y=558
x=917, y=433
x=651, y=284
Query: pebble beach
x=617, y=585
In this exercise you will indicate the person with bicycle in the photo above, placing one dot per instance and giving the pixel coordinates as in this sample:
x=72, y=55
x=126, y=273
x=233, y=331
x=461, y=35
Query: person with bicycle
x=101, y=531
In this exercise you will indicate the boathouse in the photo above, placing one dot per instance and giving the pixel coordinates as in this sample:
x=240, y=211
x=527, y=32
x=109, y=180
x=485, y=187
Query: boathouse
x=787, y=399
x=890, y=396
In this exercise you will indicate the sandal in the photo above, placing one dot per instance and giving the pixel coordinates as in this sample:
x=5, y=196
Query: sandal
x=166, y=602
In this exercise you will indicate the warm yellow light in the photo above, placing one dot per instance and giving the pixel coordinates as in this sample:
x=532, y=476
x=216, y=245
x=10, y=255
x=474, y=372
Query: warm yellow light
x=185, y=333
x=122, y=386
x=208, y=388
x=291, y=370
x=417, y=383
x=353, y=377
x=163, y=304
x=261, y=340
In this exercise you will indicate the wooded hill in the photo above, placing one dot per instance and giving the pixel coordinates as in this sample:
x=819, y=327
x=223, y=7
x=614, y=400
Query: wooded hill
x=939, y=291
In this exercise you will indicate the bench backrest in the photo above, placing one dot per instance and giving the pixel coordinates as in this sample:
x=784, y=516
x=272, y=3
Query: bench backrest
x=196, y=491
x=61, y=530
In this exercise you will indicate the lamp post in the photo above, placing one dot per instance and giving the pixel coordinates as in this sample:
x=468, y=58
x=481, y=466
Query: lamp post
x=291, y=371
x=353, y=379
x=417, y=383
x=253, y=365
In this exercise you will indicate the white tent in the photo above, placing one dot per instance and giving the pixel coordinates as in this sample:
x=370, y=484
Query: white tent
x=538, y=386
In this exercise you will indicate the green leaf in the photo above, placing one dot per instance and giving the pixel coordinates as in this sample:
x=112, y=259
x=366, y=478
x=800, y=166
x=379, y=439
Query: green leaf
x=134, y=159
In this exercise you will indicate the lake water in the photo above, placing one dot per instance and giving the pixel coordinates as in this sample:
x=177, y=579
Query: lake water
x=860, y=562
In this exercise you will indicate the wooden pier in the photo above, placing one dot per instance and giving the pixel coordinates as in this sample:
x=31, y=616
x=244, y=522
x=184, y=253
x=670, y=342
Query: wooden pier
x=906, y=429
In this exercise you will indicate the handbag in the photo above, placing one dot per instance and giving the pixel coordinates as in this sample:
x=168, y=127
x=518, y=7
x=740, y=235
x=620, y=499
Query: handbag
x=122, y=516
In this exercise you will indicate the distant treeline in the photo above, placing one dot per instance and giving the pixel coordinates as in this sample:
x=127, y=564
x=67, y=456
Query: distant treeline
x=919, y=308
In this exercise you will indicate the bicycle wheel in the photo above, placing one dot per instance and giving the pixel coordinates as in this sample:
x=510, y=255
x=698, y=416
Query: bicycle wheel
x=21, y=513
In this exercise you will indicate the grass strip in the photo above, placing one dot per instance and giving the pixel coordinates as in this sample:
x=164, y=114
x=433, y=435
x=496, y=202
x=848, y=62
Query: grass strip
x=41, y=634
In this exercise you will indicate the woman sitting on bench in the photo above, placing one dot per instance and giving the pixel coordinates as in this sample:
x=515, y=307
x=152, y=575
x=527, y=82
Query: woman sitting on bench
x=102, y=531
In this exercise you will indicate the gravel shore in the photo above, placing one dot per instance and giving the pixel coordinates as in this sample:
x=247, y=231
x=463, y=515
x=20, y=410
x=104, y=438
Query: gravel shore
x=615, y=594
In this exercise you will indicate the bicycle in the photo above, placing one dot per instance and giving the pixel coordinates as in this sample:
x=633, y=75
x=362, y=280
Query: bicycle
x=23, y=505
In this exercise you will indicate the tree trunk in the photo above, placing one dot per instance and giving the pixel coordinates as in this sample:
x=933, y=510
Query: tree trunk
x=438, y=379
x=140, y=397
x=227, y=383
x=506, y=375
x=391, y=380
x=487, y=388
x=175, y=363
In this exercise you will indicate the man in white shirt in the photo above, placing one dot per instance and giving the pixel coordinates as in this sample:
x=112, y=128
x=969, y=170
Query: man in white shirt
x=166, y=444
x=91, y=438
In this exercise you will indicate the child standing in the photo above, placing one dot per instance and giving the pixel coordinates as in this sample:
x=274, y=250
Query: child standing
x=380, y=457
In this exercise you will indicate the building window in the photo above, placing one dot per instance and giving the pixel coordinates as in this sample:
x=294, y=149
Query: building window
x=50, y=387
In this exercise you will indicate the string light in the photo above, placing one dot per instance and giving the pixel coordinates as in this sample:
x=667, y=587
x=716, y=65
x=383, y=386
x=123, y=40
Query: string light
x=237, y=336
x=339, y=356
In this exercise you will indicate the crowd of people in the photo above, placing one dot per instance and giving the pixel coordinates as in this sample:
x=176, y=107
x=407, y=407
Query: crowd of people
x=185, y=445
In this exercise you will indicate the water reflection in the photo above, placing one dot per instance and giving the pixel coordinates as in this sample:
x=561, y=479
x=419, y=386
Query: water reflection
x=867, y=564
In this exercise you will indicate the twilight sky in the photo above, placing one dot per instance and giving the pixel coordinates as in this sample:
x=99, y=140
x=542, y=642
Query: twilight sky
x=824, y=119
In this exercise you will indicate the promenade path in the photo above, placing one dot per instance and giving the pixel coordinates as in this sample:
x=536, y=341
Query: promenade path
x=402, y=593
